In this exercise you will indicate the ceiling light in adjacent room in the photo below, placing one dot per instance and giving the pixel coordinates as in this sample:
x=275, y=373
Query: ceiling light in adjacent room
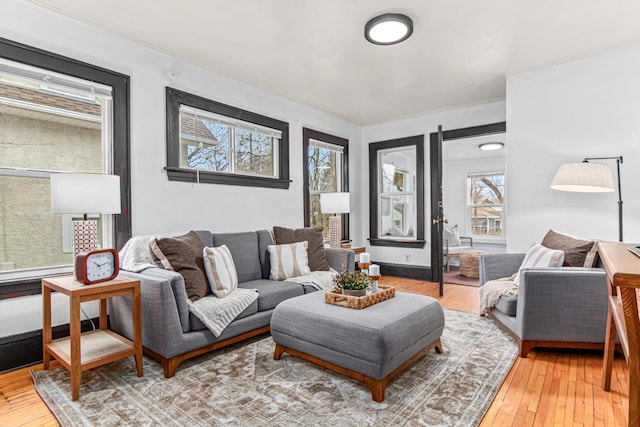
x=490, y=146
x=389, y=28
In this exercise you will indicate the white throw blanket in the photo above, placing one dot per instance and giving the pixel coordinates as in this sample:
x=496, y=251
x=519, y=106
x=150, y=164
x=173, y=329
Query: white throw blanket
x=136, y=255
x=217, y=313
x=493, y=290
x=321, y=280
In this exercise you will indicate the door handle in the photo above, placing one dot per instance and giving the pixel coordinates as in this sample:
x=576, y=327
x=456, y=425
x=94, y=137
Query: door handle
x=436, y=221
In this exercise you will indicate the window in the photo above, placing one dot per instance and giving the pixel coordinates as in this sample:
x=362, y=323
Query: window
x=326, y=157
x=486, y=204
x=51, y=121
x=396, y=192
x=215, y=143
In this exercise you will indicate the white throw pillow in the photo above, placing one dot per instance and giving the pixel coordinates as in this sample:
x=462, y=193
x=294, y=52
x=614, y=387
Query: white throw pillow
x=289, y=260
x=539, y=256
x=451, y=235
x=221, y=270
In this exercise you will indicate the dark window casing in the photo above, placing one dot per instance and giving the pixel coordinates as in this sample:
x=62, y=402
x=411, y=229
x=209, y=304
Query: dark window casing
x=374, y=147
x=307, y=135
x=119, y=83
x=175, y=98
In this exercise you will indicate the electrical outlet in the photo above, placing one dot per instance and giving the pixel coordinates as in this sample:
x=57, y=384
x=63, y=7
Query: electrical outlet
x=407, y=258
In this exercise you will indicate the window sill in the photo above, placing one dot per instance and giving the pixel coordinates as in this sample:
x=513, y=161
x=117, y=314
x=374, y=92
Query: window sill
x=374, y=241
x=203, y=177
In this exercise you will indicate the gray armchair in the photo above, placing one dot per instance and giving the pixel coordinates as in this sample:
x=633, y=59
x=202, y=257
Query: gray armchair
x=562, y=307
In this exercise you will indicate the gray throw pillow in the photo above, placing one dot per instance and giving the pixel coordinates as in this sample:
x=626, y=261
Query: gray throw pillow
x=183, y=254
x=317, y=256
x=575, y=250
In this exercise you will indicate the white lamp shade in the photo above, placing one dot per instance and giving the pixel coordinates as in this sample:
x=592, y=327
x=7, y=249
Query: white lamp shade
x=584, y=177
x=334, y=203
x=79, y=193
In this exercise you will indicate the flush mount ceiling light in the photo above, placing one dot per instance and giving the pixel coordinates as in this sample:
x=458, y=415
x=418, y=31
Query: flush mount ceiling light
x=389, y=28
x=490, y=146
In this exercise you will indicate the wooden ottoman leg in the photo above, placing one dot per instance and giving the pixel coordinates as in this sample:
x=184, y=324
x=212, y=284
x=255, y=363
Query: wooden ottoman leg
x=376, y=387
x=278, y=352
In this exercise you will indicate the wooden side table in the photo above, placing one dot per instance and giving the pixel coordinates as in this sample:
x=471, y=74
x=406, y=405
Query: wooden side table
x=81, y=351
x=623, y=279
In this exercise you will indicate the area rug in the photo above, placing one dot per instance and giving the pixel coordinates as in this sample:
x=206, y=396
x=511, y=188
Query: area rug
x=456, y=278
x=243, y=385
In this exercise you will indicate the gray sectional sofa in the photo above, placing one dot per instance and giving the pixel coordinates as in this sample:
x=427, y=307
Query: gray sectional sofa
x=171, y=334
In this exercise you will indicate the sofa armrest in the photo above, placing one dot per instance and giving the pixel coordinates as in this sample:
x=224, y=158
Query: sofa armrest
x=339, y=258
x=497, y=266
x=162, y=320
x=562, y=304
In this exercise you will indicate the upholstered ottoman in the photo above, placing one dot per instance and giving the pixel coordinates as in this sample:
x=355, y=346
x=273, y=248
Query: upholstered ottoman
x=470, y=264
x=372, y=345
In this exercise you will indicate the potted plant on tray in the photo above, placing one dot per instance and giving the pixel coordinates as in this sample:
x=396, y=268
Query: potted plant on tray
x=353, y=284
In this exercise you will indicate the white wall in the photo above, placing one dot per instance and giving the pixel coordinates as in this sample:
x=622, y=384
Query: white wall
x=420, y=125
x=587, y=108
x=157, y=204
x=454, y=195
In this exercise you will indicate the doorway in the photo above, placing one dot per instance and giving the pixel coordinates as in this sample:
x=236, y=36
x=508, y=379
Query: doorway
x=438, y=218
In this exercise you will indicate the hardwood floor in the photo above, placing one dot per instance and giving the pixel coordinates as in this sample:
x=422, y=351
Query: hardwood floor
x=549, y=388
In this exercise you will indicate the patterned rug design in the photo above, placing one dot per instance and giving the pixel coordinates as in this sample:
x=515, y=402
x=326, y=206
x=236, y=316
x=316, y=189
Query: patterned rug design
x=243, y=385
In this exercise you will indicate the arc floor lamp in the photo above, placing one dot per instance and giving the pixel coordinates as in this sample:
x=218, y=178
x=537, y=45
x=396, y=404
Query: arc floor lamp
x=587, y=177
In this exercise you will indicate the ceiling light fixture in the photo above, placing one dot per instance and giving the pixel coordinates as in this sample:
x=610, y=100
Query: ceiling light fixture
x=490, y=146
x=389, y=28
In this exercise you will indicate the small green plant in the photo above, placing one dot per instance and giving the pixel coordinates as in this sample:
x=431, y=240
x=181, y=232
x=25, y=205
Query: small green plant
x=352, y=281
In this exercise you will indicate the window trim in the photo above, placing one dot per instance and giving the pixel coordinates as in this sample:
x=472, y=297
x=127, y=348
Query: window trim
x=175, y=98
x=119, y=83
x=374, y=148
x=307, y=135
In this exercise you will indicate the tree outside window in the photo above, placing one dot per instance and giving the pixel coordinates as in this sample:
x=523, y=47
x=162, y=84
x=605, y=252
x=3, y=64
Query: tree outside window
x=486, y=204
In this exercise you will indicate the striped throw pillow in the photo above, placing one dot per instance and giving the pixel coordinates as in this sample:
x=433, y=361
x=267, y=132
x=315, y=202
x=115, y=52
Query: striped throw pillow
x=221, y=270
x=289, y=260
x=539, y=256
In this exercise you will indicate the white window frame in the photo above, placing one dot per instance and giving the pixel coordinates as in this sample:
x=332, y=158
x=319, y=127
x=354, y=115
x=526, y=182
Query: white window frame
x=60, y=84
x=390, y=194
x=470, y=206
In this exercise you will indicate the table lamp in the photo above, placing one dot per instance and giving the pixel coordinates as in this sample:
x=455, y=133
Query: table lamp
x=81, y=193
x=334, y=203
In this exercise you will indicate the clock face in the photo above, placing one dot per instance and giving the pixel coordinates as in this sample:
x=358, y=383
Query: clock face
x=101, y=265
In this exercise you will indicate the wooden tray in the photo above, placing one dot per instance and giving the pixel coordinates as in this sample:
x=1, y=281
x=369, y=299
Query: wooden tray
x=384, y=293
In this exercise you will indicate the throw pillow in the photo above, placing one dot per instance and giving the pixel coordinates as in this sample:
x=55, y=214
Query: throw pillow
x=288, y=260
x=575, y=249
x=317, y=257
x=451, y=235
x=539, y=256
x=221, y=270
x=183, y=254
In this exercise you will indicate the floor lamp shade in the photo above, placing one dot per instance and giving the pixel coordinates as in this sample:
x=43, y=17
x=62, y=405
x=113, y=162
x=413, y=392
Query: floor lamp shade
x=335, y=203
x=584, y=177
x=85, y=194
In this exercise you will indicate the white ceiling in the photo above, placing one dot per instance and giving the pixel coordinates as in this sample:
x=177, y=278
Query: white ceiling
x=314, y=52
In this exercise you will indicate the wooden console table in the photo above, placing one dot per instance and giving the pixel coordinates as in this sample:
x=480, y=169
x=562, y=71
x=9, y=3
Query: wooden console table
x=623, y=278
x=82, y=351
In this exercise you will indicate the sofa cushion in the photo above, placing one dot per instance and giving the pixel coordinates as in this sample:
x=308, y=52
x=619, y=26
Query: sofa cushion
x=539, y=256
x=183, y=254
x=507, y=305
x=244, y=250
x=272, y=293
x=577, y=252
x=317, y=256
x=220, y=269
x=289, y=260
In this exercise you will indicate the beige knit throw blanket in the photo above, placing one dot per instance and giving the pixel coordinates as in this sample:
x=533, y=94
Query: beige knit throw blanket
x=493, y=290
